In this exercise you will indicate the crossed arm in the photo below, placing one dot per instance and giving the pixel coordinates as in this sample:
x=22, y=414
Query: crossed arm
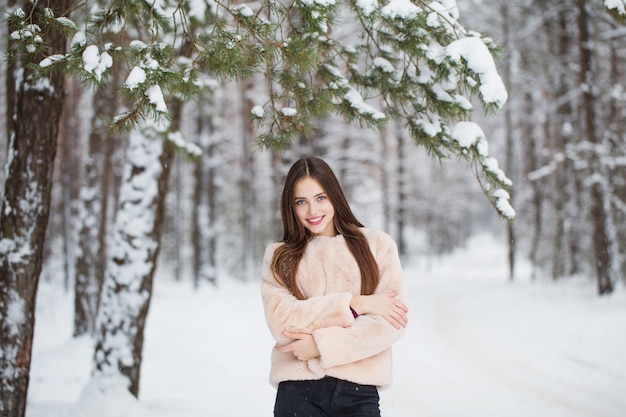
x=386, y=305
x=297, y=324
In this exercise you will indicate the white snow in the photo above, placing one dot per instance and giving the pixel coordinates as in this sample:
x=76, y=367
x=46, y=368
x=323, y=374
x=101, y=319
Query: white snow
x=155, y=96
x=258, y=111
x=15, y=312
x=476, y=345
x=67, y=22
x=400, y=9
x=467, y=134
x=618, y=5
x=384, y=65
x=474, y=51
x=46, y=62
x=95, y=62
x=323, y=3
x=244, y=10
x=179, y=141
x=79, y=39
x=356, y=102
x=137, y=76
x=431, y=126
x=503, y=203
x=367, y=6
x=288, y=111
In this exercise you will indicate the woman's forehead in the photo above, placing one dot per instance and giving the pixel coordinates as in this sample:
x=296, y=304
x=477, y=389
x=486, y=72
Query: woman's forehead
x=307, y=187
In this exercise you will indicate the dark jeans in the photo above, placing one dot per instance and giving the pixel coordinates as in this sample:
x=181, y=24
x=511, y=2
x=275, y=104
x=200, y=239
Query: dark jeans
x=327, y=397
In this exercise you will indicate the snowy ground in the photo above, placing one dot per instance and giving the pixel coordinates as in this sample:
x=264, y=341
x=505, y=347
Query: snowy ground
x=476, y=345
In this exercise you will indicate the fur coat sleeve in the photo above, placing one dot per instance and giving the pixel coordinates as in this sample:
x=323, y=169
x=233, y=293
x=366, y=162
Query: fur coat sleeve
x=283, y=311
x=370, y=334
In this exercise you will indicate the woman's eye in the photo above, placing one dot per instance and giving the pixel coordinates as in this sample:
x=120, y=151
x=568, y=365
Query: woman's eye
x=321, y=198
x=299, y=202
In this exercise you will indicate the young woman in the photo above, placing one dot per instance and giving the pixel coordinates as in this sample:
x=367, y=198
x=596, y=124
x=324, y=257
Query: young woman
x=333, y=296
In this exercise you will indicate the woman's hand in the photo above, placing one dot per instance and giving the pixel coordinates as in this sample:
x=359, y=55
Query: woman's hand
x=303, y=347
x=384, y=305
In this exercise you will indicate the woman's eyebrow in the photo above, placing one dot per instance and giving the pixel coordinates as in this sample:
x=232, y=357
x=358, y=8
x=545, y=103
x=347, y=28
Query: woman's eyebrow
x=304, y=198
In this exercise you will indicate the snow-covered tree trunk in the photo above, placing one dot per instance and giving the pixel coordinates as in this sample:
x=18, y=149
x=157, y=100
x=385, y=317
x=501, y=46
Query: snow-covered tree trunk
x=601, y=220
x=130, y=270
x=204, y=234
x=34, y=106
x=617, y=127
x=93, y=217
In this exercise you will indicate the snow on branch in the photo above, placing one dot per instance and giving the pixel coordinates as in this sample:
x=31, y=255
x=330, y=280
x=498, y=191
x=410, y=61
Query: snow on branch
x=410, y=63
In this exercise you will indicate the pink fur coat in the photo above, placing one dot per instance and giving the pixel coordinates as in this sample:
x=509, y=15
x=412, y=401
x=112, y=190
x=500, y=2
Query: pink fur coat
x=357, y=350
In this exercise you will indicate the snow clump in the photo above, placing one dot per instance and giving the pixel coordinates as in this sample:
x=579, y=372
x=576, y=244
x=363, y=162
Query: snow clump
x=400, y=9
x=95, y=62
x=137, y=76
x=618, y=5
x=155, y=96
x=367, y=6
x=288, y=111
x=179, y=141
x=257, y=111
x=474, y=51
x=78, y=40
x=244, y=10
x=357, y=103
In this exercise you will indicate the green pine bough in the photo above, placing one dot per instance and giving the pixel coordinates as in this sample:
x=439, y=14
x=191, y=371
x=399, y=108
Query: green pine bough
x=370, y=62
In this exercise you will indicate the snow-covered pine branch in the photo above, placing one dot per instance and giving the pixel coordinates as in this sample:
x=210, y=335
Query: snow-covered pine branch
x=412, y=63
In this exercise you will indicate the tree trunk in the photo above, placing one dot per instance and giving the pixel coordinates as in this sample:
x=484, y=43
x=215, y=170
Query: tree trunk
x=385, y=179
x=204, y=236
x=599, y=201
x=247, y=186
x=532, y=157
x=563, y=140
x=35, y=107
x=617, y=128
x=401, y=188
x=176, y=219
x=508, y=128
x=68, y=167
x=93, y=215
x=130, y=271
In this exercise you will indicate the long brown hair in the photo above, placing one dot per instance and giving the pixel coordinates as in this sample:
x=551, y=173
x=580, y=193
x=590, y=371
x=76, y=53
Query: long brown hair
x=296, y=237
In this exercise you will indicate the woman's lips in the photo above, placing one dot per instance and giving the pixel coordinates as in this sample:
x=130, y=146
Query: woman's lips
x=316, y=220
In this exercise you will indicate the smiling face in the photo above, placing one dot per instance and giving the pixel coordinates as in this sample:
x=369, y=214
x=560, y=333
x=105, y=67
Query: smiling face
x=313, y=208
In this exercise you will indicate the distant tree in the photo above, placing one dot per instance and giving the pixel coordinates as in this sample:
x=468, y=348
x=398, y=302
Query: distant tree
x=603, y=230
x=205, y=194
x=35, y=105
x=249, y=218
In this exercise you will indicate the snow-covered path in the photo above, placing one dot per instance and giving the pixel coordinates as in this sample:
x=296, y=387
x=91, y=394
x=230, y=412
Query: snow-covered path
x=476, y=345
x=488, y=348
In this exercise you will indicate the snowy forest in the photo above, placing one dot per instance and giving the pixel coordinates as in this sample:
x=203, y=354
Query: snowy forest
x=144, y=136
